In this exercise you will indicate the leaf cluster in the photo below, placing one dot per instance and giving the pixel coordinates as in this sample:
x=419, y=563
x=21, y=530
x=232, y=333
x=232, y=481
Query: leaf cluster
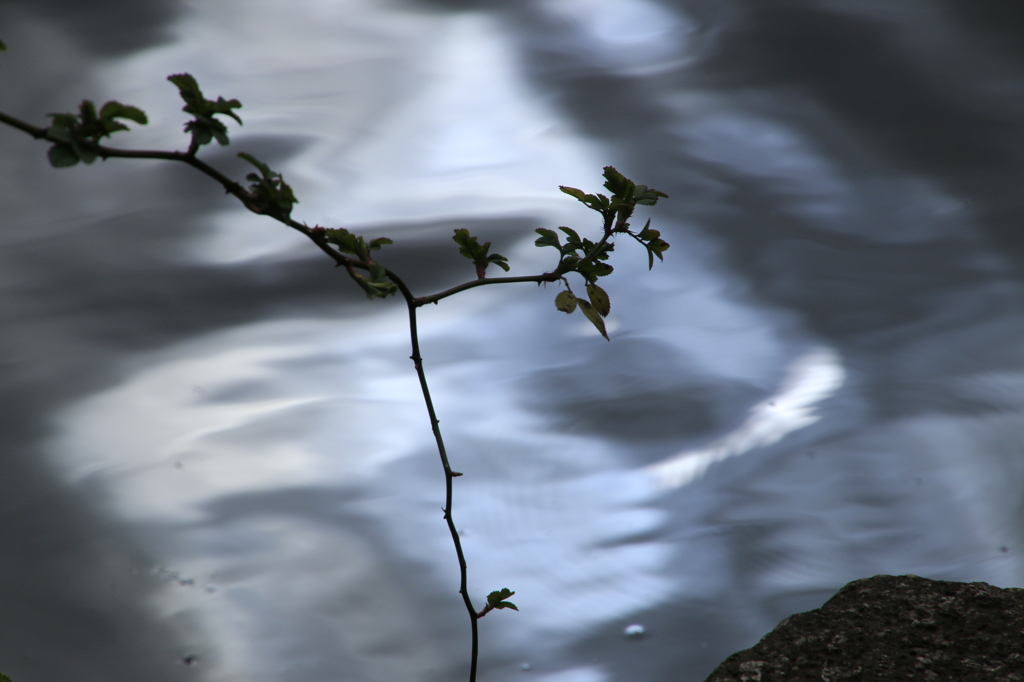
x=626, y=194
x=76, y=137
x=497, y=600
x=579, y=254
x=204, y=127
x=377, y=284
x=472, y=249
x=587, y=258
x=268, y=192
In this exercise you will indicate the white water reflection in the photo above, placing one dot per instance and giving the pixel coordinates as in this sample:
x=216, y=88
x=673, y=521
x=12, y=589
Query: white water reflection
x=810, y=379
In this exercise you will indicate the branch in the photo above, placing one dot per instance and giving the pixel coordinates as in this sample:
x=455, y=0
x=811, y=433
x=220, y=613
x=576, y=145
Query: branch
x=539, y=279
x=449, y=474
x=552, y=276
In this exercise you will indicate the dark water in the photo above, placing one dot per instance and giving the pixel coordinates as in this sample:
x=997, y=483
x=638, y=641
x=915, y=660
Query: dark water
x=215, y=463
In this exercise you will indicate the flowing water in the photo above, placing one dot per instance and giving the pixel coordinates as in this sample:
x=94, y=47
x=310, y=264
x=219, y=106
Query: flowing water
x=216, y=463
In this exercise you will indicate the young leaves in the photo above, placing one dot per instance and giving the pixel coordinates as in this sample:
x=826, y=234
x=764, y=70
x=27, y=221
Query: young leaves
x=477, y=252
x=268, y=194
x=578, y=254
x=496, y=600
x=353, y=244
x=587, y=258
x=597, y=202
x=377, y=284
x=204, y=127
x=76, y=137
x=652, y=241
x=595, y=309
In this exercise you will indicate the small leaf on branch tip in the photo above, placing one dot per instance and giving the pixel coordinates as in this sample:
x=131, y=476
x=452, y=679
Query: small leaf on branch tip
x=616, y=182
x=647, y=233
x=469, y=246
x=566, y=302
x=188, y=88
x=599, y=299
x=204, y=127
x=496, y=599
x=656, y=248
x=573, y=192
x=594, y=317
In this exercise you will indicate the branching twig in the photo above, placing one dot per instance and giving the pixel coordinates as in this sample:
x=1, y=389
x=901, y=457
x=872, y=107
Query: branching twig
x=76, y=138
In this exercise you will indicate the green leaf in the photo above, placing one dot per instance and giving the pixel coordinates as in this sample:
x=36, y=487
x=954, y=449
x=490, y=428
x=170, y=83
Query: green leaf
x=599, y=299
x=657, y=247
x=496, y=599
x=571, y=234
x=648, y=196
x=4, y=678
x=78, y=136
x=469, y=246
x=647, y=233
x=573, y=192
x=86, y=154
x=3, y=48
x=62, y=156
x=377, y=285
x=112, y=110
x=548, y=238
x=477, y=252
x=594, y=317
x=379, y=242
x=498, y=260
x=87, y=113
x=617, y=183
x=566, y=301
x=188, y=88
x=269, y=193
x=591, y=270
x=204, y=127
x=344, y=240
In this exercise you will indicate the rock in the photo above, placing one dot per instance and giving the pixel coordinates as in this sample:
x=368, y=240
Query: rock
x=893, y=628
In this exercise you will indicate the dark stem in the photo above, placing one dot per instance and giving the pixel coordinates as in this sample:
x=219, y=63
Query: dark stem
x=449, y=475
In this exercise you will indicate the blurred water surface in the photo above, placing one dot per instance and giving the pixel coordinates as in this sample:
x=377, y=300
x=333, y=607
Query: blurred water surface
x=216, y=465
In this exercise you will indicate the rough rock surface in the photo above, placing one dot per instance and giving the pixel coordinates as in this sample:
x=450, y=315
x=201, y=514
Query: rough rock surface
x=893, y=628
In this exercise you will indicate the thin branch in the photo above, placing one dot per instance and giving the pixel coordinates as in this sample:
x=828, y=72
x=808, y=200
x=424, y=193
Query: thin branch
x=449, y=474
x=552, y=276
x=539, y=279
x=35, y=132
